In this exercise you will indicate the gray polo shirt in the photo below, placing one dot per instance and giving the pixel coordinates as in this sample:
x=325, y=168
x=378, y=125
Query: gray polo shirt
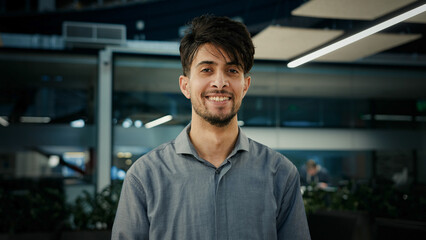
x=172, y=193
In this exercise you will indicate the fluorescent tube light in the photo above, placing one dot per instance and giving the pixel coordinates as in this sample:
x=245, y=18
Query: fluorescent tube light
x=34, y=119
x=351, y=39
x=384, y=117
x=74, y=155
x=4, y=122
x=403, y=118
x=159, y=121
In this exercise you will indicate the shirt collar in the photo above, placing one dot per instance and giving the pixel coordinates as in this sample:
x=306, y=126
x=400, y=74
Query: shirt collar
x=184, y=145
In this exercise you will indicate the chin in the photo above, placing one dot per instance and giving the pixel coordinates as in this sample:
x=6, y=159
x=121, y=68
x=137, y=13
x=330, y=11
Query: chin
x=219, y=121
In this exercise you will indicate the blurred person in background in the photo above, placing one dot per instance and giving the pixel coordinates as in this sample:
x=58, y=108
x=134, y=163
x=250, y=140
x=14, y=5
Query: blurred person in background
x=314, y=174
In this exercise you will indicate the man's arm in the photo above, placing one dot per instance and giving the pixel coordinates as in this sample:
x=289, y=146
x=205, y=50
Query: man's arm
x=291, y=220
x=131, y=221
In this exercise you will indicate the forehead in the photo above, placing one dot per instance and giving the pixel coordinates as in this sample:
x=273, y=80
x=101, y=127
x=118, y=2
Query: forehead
x=209, y=52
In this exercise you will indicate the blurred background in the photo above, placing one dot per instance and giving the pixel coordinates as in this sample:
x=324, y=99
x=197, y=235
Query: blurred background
x=89, y=86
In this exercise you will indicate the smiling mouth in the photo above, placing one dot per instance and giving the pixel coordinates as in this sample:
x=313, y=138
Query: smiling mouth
x=218, y=96
x=218, y=99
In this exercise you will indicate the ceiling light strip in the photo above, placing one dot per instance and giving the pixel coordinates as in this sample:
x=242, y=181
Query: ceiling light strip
x=35, y=119
x=159, y=121
x=365, y=33
x=4, y=122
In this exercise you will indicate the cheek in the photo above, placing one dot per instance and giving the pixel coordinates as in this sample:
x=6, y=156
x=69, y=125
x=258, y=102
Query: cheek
x=241, y=88
x=195, y=88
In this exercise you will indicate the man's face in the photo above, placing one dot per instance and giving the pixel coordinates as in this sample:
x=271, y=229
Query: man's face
x=312, y=171
x=215, y=86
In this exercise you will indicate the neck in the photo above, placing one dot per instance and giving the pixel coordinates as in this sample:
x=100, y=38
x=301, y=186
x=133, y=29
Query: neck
x=213, y=143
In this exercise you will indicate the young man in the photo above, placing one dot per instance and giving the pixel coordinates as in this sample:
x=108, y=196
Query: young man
x=212, y=182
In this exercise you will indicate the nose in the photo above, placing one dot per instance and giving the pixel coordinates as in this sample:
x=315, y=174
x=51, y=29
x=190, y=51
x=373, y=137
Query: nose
x=220, y=81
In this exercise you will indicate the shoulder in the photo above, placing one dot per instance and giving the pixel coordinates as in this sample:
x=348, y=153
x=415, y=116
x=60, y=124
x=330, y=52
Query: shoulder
x=282, y=171
x=152, y=159
x=275, y=159
x=323, y=171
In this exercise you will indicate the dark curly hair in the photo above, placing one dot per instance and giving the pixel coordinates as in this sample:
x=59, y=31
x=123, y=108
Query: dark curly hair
x=223, y=32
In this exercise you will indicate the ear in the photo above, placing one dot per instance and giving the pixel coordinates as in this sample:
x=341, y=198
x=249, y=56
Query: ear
x=184, y=86
x=247, y=81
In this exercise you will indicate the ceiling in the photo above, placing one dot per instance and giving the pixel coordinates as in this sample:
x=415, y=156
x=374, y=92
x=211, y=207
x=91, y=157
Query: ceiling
x=309, y=24
x=286, y=43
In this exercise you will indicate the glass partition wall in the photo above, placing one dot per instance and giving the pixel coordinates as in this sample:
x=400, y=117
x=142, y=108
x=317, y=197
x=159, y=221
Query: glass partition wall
x=346, y=118
x=47, y=121
x=362, y=123
x=341, y=116
x=353, y=120
x=145, y=91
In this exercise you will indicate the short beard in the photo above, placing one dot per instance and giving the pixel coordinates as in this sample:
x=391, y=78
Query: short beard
x=215, y=120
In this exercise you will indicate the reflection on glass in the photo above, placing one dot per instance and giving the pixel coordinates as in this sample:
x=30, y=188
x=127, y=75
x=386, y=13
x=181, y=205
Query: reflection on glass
x=46, y=112
x=146, y=89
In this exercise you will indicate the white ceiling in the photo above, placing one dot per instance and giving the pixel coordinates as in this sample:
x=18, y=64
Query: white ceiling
x=283, y=43
x=286, y=43
x=368, y=46
x=421, y=18
x=349, y=9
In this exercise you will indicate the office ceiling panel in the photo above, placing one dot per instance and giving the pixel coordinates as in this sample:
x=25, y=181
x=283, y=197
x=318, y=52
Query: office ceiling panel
x=283, y=43
x=349, y=9
x=421, y=18
x=368, y=46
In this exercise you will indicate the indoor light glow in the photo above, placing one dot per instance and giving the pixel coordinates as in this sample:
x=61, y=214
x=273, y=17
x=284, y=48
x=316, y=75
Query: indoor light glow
x=4, y=122
x=383, y=117
x=159, y=121
x=138, y=123
x=34, y=119
x=54, y=161
x=77, y=123
x=127, y=123
x=346, y=41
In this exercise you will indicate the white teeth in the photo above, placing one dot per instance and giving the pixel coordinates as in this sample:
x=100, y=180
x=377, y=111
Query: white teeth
x=218, y=99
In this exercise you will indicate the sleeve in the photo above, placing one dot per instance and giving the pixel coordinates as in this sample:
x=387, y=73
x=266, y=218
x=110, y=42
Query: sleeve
x=131, y=220
x=291, y=220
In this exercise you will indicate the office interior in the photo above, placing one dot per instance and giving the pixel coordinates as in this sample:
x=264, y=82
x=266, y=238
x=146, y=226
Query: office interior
x=82, y=83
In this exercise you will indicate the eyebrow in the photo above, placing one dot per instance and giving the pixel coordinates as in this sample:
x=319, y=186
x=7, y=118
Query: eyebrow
x=206, y=63
x=215, y=63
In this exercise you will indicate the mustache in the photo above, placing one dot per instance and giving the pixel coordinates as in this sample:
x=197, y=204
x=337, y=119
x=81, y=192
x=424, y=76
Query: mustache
x=224, y=92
